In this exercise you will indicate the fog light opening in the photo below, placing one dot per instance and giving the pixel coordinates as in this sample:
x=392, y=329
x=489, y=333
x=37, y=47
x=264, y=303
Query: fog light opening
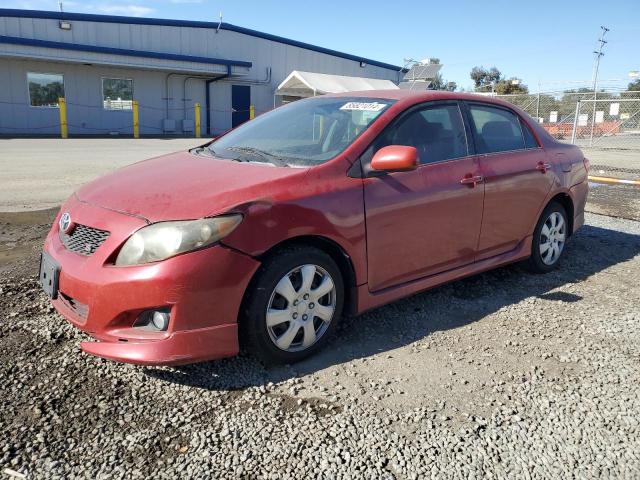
x=160, y=320
x=155, y=320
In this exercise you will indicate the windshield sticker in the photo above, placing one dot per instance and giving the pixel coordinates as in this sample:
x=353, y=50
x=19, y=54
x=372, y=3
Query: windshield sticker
x=363, y=106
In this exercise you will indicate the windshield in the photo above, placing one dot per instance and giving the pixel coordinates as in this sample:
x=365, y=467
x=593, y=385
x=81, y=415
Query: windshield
x=303, y=133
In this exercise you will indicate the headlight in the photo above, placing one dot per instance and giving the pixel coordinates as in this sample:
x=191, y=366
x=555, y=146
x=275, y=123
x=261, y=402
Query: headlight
x=166, y=239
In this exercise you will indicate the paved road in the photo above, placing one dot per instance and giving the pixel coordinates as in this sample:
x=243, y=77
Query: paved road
x=41, y=173
x=614, y=163
x=628, y=141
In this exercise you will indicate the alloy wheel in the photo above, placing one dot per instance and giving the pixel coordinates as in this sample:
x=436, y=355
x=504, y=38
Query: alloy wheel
x=301, y=308
x=552, y=238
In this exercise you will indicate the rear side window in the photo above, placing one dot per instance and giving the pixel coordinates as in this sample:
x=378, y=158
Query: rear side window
x=529, y=140
x=436, y=131
x=497, y=130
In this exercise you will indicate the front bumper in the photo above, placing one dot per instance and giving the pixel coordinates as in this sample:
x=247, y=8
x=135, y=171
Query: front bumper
x=202, y=289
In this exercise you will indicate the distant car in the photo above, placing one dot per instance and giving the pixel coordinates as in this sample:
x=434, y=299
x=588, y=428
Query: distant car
x=331, y=205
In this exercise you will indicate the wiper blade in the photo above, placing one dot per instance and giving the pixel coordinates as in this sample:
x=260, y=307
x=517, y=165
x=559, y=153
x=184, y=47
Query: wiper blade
x=202, y=151
x=210, y=152
x=270, y=157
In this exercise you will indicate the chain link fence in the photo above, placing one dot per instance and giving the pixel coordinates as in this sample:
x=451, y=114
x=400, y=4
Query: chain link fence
x=606, y=125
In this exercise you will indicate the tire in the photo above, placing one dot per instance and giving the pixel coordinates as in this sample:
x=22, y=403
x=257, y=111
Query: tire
x=314, y=317
x=551, y=231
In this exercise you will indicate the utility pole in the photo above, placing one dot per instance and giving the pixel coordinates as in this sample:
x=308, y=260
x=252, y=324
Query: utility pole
x=596, y=68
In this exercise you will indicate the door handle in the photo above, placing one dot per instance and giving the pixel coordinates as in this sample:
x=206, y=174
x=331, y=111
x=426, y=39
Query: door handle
x=543, y=166
x=472, y=180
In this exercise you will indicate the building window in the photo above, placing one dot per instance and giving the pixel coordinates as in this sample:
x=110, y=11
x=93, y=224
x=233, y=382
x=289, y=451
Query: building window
x=117, y=93
x=45, y=89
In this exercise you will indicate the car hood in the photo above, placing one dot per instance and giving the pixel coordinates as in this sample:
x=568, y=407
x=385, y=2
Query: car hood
x=183, y=186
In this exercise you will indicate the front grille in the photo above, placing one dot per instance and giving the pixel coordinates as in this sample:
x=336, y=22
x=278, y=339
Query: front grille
x=84, y=240
x=78, y=308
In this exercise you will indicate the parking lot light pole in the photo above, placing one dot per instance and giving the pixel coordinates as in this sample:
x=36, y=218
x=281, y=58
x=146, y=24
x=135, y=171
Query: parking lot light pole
x=598, y=55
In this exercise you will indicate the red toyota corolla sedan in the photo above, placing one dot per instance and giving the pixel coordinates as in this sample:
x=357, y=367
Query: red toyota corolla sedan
x=326, y=206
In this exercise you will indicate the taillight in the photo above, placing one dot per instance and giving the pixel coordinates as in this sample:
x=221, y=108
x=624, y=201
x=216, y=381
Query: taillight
x=587, y=164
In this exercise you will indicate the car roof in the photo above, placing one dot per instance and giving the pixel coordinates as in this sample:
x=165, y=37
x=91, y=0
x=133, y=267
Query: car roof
x=408, y=98
x=412, y=96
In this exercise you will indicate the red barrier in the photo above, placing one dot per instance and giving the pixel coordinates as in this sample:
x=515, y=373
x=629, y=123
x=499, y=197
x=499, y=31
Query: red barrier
x=565, y=130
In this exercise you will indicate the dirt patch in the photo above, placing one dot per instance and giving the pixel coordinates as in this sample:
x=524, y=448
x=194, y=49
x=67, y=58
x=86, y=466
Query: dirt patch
x=621, y=201
x=21, y=238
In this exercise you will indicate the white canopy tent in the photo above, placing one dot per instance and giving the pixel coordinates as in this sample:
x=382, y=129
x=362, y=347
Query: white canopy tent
x=307, y=84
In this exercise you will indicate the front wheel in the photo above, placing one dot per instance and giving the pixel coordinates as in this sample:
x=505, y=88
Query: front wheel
x=292, y=306
x=549, y=239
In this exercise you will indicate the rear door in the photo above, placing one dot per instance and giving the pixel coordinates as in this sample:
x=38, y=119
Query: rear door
x=425, y=221
x=240, y=102
x=517, y=177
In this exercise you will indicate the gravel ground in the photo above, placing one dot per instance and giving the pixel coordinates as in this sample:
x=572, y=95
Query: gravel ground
x=502, y=375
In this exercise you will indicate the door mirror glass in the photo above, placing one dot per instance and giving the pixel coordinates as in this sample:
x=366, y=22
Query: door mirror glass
x=395, y=158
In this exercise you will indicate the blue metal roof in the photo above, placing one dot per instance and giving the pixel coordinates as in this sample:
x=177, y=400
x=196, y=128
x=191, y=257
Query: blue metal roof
x=8, y=12
x=120, y=51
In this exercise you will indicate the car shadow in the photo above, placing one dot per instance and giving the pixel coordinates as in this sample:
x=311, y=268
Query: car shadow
x=591, y=250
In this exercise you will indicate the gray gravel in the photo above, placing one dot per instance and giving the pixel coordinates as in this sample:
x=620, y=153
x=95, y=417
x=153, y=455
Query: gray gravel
x=503, y=375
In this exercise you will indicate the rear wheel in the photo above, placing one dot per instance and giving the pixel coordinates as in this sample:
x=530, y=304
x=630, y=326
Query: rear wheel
x=293, y=305
x=549, y=239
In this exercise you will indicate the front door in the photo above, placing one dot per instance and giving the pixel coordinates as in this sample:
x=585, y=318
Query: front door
x=516, y=174
x=240, y=102
x=425, y=221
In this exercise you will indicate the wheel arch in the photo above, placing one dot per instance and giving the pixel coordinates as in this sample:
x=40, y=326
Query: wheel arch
x=566, y=201
x=335, y=251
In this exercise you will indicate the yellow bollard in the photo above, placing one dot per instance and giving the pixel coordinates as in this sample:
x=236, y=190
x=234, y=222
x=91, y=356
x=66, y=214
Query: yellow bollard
x=196, y=116
x=62, y=107
x=252, y=112
x=136, y=120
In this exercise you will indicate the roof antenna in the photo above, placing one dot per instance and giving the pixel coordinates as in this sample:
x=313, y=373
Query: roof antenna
x=219, y=22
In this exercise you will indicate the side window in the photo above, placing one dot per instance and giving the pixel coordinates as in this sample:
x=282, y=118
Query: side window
x=529, y=140
x=497, y=129
x=437, y=132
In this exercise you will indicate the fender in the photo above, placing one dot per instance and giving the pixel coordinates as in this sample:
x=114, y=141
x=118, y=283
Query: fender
x=324, y=204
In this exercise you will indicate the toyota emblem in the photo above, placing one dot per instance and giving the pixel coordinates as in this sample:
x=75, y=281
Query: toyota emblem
x=65, y=222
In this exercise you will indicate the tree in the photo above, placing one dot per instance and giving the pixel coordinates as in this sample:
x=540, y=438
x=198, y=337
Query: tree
x=483, y=77
x=492, y=80
x=510, y=86
x=439, y=83
x=634, y=86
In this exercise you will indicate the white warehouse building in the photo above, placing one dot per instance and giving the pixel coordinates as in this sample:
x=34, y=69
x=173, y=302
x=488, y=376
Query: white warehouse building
x=101, y=64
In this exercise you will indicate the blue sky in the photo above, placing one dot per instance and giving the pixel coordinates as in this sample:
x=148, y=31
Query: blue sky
x=550, y=42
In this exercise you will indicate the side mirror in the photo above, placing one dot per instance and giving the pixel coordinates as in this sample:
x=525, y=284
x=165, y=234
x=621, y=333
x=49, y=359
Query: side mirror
x=395, y=158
